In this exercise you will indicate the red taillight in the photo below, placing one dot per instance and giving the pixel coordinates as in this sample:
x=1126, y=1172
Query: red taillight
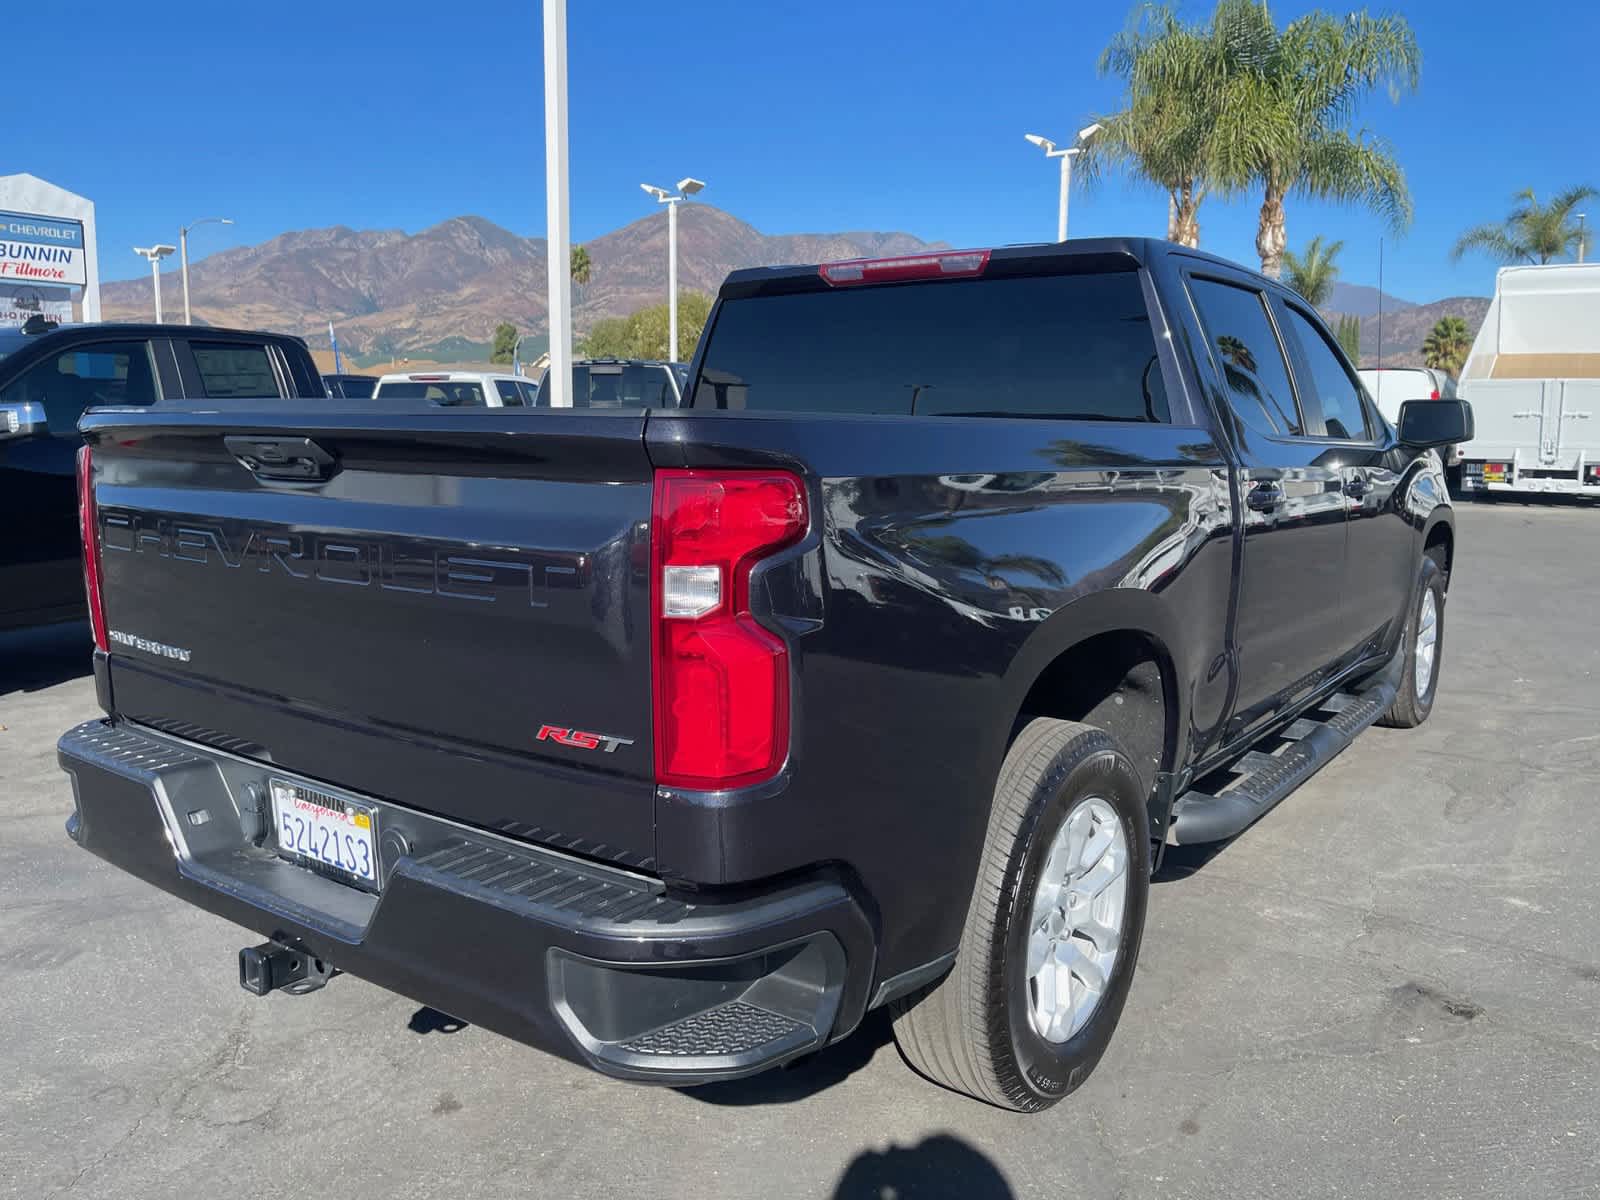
x=721, y=680
x=89, y=532
x=1433, y=395
x=947, y=265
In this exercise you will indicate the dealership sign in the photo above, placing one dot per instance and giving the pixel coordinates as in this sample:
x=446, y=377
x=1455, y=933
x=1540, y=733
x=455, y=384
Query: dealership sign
x=41, y=250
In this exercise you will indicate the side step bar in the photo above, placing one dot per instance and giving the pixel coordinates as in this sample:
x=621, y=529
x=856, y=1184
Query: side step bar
x=1238, y=795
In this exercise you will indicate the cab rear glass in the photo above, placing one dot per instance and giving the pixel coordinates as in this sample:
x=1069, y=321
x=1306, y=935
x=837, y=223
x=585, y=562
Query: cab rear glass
x=1060, y=346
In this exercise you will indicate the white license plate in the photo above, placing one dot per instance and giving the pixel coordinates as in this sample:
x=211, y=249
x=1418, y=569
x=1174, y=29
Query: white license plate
x=316, y=827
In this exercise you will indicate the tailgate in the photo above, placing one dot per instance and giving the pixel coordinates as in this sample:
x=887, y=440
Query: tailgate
x=409, y=624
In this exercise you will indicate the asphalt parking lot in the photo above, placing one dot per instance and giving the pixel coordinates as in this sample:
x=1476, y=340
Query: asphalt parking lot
x=1389, y=986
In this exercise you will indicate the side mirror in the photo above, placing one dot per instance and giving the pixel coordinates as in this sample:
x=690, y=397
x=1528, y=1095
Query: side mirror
x=1427, y=423
x=22, y=420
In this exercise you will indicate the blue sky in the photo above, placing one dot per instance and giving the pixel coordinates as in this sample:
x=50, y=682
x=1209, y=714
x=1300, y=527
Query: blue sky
x=819, y=116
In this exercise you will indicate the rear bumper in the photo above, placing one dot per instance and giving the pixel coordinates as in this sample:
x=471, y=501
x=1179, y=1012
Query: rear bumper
x=597, y=964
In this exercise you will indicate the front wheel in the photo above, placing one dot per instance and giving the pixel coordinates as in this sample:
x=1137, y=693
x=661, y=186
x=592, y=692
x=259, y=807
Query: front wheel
x=1052, y=931
x=1423, y=652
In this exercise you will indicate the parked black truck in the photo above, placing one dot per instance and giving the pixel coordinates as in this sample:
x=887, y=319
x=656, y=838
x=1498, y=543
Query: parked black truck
x=880, y=673
x=48, y=378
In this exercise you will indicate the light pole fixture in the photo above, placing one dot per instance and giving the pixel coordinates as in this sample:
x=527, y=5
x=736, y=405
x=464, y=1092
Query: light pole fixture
x=155, y=254
x=685, y=189
x=183, y=255
x=1066, y=156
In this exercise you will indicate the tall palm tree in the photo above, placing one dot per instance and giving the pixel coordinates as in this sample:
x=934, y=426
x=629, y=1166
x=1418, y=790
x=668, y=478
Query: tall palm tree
x=1306, y=81
x=1213, y=107
x=581, y=266
x=1314, y=272
x=1167, y=133
x=1447, y=345
x=1531, y=232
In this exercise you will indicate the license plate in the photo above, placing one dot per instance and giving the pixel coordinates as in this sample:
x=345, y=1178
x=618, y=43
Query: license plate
x=314, y=827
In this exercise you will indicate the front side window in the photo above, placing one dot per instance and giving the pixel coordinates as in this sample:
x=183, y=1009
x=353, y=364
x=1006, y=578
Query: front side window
x=229, y=371
x=510, y=397
x=104, y=373
x=1247, y=352
x=1337, y=392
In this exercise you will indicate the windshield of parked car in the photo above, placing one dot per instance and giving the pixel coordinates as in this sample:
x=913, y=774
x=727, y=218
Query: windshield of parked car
x=447, y=393
x=1063, y=346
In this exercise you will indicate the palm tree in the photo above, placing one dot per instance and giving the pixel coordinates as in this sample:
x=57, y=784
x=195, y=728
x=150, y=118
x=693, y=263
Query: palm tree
x=1167, y=132
x=1304, y=85
x=1532, y=232
x=1447, y=345
x=1211, y=108
x=581, y=266
x=1313, y=273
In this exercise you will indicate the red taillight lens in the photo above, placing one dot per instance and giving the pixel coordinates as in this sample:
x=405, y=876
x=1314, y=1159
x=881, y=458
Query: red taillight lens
x=950, y=264
x=89, y=531
x=721, y=680
x=1434, y=395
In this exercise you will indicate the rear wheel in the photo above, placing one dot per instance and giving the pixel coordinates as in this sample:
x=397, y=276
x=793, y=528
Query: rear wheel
x=1423, y=652
x=1052, y=931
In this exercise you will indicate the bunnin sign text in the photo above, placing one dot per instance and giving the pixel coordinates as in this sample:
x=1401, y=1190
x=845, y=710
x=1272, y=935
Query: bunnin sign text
x=41, y=250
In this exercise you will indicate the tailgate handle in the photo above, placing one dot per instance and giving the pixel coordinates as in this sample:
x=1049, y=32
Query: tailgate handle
x=281, y=457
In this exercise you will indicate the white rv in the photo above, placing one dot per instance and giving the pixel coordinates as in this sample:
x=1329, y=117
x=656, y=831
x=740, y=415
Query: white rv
x=1533, y=378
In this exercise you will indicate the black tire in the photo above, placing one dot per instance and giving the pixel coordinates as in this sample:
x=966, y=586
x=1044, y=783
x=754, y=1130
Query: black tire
x=971, y=1031
x=1412, y=705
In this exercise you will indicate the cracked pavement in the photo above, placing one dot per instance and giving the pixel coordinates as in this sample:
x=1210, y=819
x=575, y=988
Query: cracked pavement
x=1390, y=986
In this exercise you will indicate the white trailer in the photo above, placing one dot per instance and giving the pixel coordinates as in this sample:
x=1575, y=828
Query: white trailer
x=1533, y=378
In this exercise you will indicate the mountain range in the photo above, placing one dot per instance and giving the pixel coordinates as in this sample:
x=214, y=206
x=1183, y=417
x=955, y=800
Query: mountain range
x=438, y=294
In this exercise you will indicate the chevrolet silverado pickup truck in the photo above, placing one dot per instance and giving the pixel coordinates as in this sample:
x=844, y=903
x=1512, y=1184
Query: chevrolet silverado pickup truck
x=880, y=673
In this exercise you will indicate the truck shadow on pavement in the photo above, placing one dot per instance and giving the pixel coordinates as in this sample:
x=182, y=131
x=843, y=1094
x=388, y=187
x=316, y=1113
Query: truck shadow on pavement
x=941, y=1165
x=1180, y=862
x=45, y=655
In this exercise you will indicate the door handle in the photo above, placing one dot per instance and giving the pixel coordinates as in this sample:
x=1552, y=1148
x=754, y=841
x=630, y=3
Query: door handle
x=1357, y=488
x=1265, y=496
x=297, y=458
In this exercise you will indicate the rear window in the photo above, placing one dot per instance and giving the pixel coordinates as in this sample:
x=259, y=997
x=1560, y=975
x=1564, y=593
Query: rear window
x=357, y=389
x=228, y=370
x=1064, y=346
x=447, y=393
x=616, y=385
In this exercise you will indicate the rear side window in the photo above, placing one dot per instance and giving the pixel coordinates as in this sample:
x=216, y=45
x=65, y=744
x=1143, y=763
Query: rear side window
x=510, y=396
x=445, y=393
x=1249, y=356
x=1337, y=392
x=1065, y=346
x=105, y=373
x=229, y=370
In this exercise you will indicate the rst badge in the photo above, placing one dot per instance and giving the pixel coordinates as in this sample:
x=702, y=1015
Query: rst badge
x=578, y=739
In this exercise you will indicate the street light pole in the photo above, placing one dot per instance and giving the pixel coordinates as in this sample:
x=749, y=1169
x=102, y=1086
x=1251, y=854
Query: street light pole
x=154, y=254
x=1582, y=236
x=685, y=189
x=1066, y=156
x=558, y=201
x=183, y=256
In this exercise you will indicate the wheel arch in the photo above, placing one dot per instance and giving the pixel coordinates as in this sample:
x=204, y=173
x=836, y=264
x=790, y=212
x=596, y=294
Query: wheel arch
x=1087, y=663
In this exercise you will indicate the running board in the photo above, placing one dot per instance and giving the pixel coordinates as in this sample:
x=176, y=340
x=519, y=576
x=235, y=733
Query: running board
x=1240, y=794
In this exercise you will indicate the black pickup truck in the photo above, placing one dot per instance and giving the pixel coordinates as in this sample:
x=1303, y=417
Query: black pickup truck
x=47, y=380
x=880, y=673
